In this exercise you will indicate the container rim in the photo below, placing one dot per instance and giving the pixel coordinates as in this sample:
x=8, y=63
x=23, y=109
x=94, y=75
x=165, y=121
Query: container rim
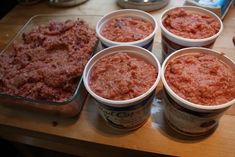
x=121, y=103
x=188, y=39
x=99, y=23
x=187, y=103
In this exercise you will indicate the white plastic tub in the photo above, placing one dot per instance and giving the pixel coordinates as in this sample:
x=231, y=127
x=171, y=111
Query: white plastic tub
x=124, y=114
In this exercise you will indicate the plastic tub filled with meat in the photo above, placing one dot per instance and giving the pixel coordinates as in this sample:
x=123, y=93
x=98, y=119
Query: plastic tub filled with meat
x=127, y=27
x=123, y=80
x=41, y=68
x=199, y=87
x=188, y=26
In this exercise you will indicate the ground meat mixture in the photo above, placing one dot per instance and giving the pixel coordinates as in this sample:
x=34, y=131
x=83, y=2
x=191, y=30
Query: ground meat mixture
x=127, y=29
x=201, y=78
x=121, y=76
x=191, y=25
x=47, y=64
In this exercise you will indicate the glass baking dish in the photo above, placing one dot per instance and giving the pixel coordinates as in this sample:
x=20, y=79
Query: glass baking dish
x=68, y=108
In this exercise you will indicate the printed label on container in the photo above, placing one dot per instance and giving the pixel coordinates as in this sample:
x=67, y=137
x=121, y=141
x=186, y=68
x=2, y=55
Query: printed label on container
x=147, y=46
x=190, y=122
x=169, y=47
x=126, y=119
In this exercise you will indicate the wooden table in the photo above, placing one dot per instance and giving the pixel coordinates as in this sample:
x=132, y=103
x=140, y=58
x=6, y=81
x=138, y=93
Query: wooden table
x=88, y=135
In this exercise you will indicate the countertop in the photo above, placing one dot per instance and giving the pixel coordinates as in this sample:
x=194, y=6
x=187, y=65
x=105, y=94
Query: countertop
x=88, y=134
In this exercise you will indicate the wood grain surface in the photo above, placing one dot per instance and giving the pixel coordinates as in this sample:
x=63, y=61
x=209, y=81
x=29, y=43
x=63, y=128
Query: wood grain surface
x=88, y=134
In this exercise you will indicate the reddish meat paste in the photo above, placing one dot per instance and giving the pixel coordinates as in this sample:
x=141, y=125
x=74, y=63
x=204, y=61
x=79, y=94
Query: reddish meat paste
x=127, y=29
x=191, y=25
x=201, y=78
x=121, y=76
x=47, y=64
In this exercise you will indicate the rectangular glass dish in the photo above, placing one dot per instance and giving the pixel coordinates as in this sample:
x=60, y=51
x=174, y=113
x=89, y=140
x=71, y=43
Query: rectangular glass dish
x=72, y=106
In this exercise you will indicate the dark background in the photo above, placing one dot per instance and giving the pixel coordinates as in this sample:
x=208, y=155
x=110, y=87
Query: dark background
x=13, y=149
x=6, y=6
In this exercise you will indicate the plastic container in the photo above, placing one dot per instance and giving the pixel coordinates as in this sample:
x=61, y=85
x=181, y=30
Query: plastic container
x=124, y=114
x=172, y=42
x=146, y=43
x=147, y=5
x=68, y=108
x=66, y=3
x=186, y=117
